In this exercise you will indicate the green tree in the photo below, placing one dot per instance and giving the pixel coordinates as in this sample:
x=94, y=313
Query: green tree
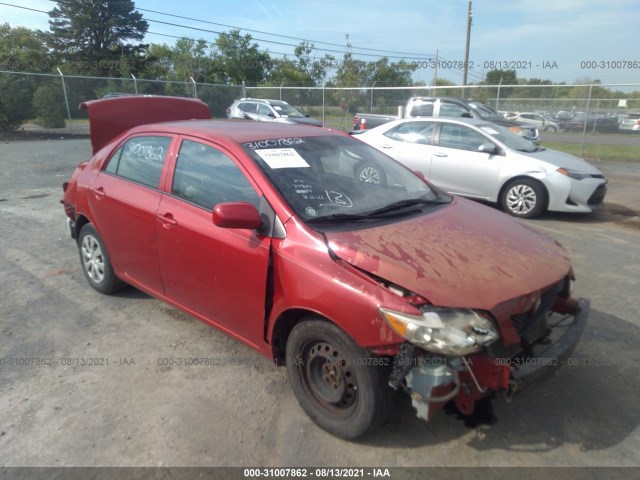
x=315, y=70
x=15, y=101
x=48, y=104
x=238, y=59
x=23, y=50
x=351, y=73
x=92, y=35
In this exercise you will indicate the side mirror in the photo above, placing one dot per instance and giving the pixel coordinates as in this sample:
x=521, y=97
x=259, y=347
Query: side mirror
x=272, y=115
x=236, y=215
x=490, y=148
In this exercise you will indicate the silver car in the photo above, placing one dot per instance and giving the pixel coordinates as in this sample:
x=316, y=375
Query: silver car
x=263, y=110
x=482, y=160
x=630, y=123
x=540, y=121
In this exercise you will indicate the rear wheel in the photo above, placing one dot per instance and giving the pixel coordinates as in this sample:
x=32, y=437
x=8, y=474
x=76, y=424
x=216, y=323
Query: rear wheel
x=95, y=262
x=524, y=198
x=341, y=386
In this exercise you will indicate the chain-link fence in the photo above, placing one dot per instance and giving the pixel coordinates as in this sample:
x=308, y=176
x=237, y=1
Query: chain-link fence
x=40, y=98
x=590, y=110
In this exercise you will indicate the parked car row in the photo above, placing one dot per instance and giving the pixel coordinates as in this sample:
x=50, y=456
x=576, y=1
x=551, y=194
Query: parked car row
x=577, y=121
x=327, y=256
x=448, y=107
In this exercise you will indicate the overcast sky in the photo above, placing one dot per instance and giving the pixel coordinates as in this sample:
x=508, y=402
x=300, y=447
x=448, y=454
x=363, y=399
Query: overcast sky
x=558, y=34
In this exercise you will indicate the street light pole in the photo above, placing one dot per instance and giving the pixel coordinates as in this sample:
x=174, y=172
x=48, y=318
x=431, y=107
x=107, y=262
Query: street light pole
x=466, y=52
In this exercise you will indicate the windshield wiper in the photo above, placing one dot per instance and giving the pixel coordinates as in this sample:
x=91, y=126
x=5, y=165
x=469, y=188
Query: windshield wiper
x=406, y=203
x=351, y=217
x=384, y=212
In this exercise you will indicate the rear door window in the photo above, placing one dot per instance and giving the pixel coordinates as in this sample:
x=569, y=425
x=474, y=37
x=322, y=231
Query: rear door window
x=140, y=159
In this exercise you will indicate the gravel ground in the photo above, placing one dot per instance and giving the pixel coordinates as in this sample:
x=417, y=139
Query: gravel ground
x=135, y=411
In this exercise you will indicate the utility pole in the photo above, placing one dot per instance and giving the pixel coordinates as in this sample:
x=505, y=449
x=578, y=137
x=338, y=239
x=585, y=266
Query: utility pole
x=435, y=74
x=466, y=52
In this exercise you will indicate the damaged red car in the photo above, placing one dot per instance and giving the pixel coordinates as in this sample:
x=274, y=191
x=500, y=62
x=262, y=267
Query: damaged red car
x=361, y=289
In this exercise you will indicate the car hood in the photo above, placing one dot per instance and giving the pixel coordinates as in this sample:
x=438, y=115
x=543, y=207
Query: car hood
x=465, y=255
x=564, y=160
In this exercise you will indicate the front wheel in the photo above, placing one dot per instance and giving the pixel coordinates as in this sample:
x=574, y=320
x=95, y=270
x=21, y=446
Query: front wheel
x=95, y=262
x=341, y=386
x=524, y=198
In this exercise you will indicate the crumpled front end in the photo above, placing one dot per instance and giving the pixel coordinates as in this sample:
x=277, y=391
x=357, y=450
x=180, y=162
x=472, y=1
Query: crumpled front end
x=532, y=345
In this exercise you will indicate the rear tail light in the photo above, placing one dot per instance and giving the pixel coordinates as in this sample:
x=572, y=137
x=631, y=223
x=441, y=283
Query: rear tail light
x=355, y=121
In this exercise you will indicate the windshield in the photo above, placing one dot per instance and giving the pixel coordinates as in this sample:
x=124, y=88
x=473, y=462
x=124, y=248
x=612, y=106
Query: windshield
x=286, y=110
x=511, y=140
x=485, y=112
x=336, y=178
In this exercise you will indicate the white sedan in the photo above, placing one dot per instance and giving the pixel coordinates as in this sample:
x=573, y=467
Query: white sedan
x=481, y=160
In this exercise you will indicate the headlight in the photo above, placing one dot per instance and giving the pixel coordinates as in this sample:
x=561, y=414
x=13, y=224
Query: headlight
x=446, y=331
x=573, y=173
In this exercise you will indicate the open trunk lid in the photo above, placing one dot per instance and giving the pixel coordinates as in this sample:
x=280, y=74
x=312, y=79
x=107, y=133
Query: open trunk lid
x=109, y=117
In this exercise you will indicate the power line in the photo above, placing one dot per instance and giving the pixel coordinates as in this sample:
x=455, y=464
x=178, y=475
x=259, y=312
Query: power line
x=382, y=52
x=457, y=71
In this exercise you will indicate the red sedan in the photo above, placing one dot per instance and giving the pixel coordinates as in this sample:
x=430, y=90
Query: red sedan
x=361, y=289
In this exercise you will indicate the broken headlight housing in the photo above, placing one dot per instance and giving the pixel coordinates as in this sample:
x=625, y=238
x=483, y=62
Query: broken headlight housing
x=444, y=331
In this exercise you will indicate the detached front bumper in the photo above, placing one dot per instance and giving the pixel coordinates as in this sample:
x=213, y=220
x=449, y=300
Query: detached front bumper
x=548, y=360
x=432, y=381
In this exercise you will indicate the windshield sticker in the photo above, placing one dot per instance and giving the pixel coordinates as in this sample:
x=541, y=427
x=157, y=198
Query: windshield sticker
x=276, y=142
x=337, y=199
x=311, y=212
x=282, y=158
x=490, y=131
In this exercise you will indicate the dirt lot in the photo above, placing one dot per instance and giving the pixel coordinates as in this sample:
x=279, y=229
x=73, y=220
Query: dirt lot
x=137, y=411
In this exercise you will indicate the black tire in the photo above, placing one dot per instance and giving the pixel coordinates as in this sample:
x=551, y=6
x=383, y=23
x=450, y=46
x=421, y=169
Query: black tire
x=95, y=262
x=341, y=386
x=550, y=129
x=370, y=173
x=524, y=198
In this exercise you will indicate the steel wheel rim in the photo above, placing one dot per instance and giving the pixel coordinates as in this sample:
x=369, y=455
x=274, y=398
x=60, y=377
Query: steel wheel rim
x=369, y=175
x=93, y=259
x=329, y=378
x=521, y=199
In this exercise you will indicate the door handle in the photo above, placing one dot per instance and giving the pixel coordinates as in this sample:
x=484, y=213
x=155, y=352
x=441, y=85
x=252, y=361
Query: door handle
x=98, y=192
x=167, y=220
x=440, y=154
x=386, y=145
